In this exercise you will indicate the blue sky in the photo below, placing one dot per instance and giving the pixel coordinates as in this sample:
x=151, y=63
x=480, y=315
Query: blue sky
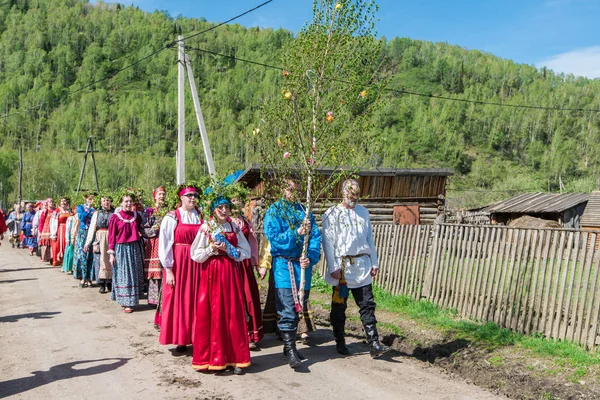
x=561, y=34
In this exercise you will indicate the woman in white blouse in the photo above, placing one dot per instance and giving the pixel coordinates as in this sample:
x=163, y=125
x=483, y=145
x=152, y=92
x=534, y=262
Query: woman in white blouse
x=220, y=336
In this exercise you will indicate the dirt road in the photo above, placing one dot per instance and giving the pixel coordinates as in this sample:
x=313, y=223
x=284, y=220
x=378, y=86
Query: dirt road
x=59, y=341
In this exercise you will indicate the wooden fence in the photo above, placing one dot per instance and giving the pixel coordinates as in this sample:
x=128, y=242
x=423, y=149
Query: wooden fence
x=527, y=280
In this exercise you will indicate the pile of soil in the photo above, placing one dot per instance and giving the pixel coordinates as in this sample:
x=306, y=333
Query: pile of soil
x=515, y=373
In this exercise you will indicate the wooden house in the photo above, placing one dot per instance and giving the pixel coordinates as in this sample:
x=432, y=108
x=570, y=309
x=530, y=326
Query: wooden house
x=392, y=195
x=564, y=208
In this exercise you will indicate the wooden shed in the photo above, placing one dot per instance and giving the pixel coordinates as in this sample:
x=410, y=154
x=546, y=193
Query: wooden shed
x=590, y=220
x=564, y=208
x=393, y=195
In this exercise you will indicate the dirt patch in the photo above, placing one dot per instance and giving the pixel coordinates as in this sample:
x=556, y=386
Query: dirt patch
x=515, y=373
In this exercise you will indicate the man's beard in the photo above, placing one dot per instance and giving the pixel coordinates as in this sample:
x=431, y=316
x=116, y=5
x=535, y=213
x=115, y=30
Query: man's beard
x=350, y=203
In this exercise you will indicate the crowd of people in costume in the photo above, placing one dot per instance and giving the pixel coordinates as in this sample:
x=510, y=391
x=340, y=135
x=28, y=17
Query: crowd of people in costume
x=198, y=261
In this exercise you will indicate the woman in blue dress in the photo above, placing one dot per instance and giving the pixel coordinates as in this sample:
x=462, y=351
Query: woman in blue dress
x=29, y=239
x=83, y=259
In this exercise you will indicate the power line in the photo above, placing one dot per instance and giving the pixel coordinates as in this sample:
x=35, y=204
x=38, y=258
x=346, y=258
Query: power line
x=114, y=73
x=491, y=103
x=430, y=95
x=223, y=23
x=234, y=58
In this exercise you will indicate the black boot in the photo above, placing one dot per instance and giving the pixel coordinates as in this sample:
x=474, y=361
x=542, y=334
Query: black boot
x=289, y=348
x=340, y=339
x=375, y=347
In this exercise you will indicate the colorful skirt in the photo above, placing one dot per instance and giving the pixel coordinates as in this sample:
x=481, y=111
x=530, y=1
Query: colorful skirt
x=58, y=245
x=67, y=265
x=45, y=239
x=127, y=274
x=154, y=286
x=82, y=268
x=30, y=242
x=102, y=268
x=220, y=336
x=152, y=267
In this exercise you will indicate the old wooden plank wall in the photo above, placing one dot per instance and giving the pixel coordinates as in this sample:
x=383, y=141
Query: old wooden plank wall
x=542, y=281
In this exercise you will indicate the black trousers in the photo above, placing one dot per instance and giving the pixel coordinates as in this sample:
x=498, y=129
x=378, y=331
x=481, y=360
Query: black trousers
x=363, y=296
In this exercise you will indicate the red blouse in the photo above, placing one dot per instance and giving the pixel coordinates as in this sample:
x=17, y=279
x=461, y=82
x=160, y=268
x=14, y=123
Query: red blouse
x=123, y=227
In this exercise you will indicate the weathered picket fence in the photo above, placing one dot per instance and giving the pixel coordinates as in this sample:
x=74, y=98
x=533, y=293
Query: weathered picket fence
x=529, y=280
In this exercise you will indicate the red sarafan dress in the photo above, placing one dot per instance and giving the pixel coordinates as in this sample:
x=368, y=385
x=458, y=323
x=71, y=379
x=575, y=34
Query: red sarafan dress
x=60, y=242
x=45, y=241
x=220, y=337
x=179, y=302
x=251, y=292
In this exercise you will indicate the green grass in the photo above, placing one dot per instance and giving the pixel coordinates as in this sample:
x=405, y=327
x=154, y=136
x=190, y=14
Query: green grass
x=488, y=334
x=318, y=284
x=496, y=361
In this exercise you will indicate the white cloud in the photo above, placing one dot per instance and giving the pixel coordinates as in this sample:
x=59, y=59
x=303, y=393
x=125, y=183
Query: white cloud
x=581, y=62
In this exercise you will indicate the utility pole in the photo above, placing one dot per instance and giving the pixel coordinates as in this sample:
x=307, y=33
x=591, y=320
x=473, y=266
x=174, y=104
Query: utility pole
x=21, y=170
x=207, y=153
x=89, y=149
x=180, y=159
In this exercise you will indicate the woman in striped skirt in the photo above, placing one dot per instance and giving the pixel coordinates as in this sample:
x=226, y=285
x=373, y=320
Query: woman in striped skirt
x=97, y=240
x=150, y=230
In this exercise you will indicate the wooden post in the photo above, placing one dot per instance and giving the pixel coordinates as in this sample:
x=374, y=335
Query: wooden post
x=87, y=148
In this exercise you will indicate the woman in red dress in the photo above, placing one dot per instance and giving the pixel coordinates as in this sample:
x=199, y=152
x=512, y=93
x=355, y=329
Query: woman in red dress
x=181, y=278
x=251, y=292
x=220, y=335
x=45, y=241
x=58, y=231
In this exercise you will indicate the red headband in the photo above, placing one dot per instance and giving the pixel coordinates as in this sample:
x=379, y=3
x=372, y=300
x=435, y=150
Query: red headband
x=158, y=189
x=187, y=190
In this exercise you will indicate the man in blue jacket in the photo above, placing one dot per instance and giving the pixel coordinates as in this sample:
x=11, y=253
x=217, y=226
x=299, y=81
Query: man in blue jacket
x=285, y=227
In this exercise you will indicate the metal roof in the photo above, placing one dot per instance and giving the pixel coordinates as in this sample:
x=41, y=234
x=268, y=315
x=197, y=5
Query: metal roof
x=591, y=215
x=252, y=173
x=538, y=203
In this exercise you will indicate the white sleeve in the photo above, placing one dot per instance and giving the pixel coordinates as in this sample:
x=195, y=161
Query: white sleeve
x=166, y=238
x=201, y=250
x=91, y=230
x=53, y=226
x=328, y=240
x=371, y=242
x=36, y=220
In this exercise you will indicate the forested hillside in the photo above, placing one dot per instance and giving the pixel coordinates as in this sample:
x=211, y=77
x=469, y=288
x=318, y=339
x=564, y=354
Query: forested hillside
x=50, y=49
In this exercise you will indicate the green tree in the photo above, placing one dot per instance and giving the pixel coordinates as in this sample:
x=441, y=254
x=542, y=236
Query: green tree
x=321, y=118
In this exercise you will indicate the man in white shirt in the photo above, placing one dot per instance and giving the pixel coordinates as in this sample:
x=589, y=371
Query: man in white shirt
x=352, y=259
